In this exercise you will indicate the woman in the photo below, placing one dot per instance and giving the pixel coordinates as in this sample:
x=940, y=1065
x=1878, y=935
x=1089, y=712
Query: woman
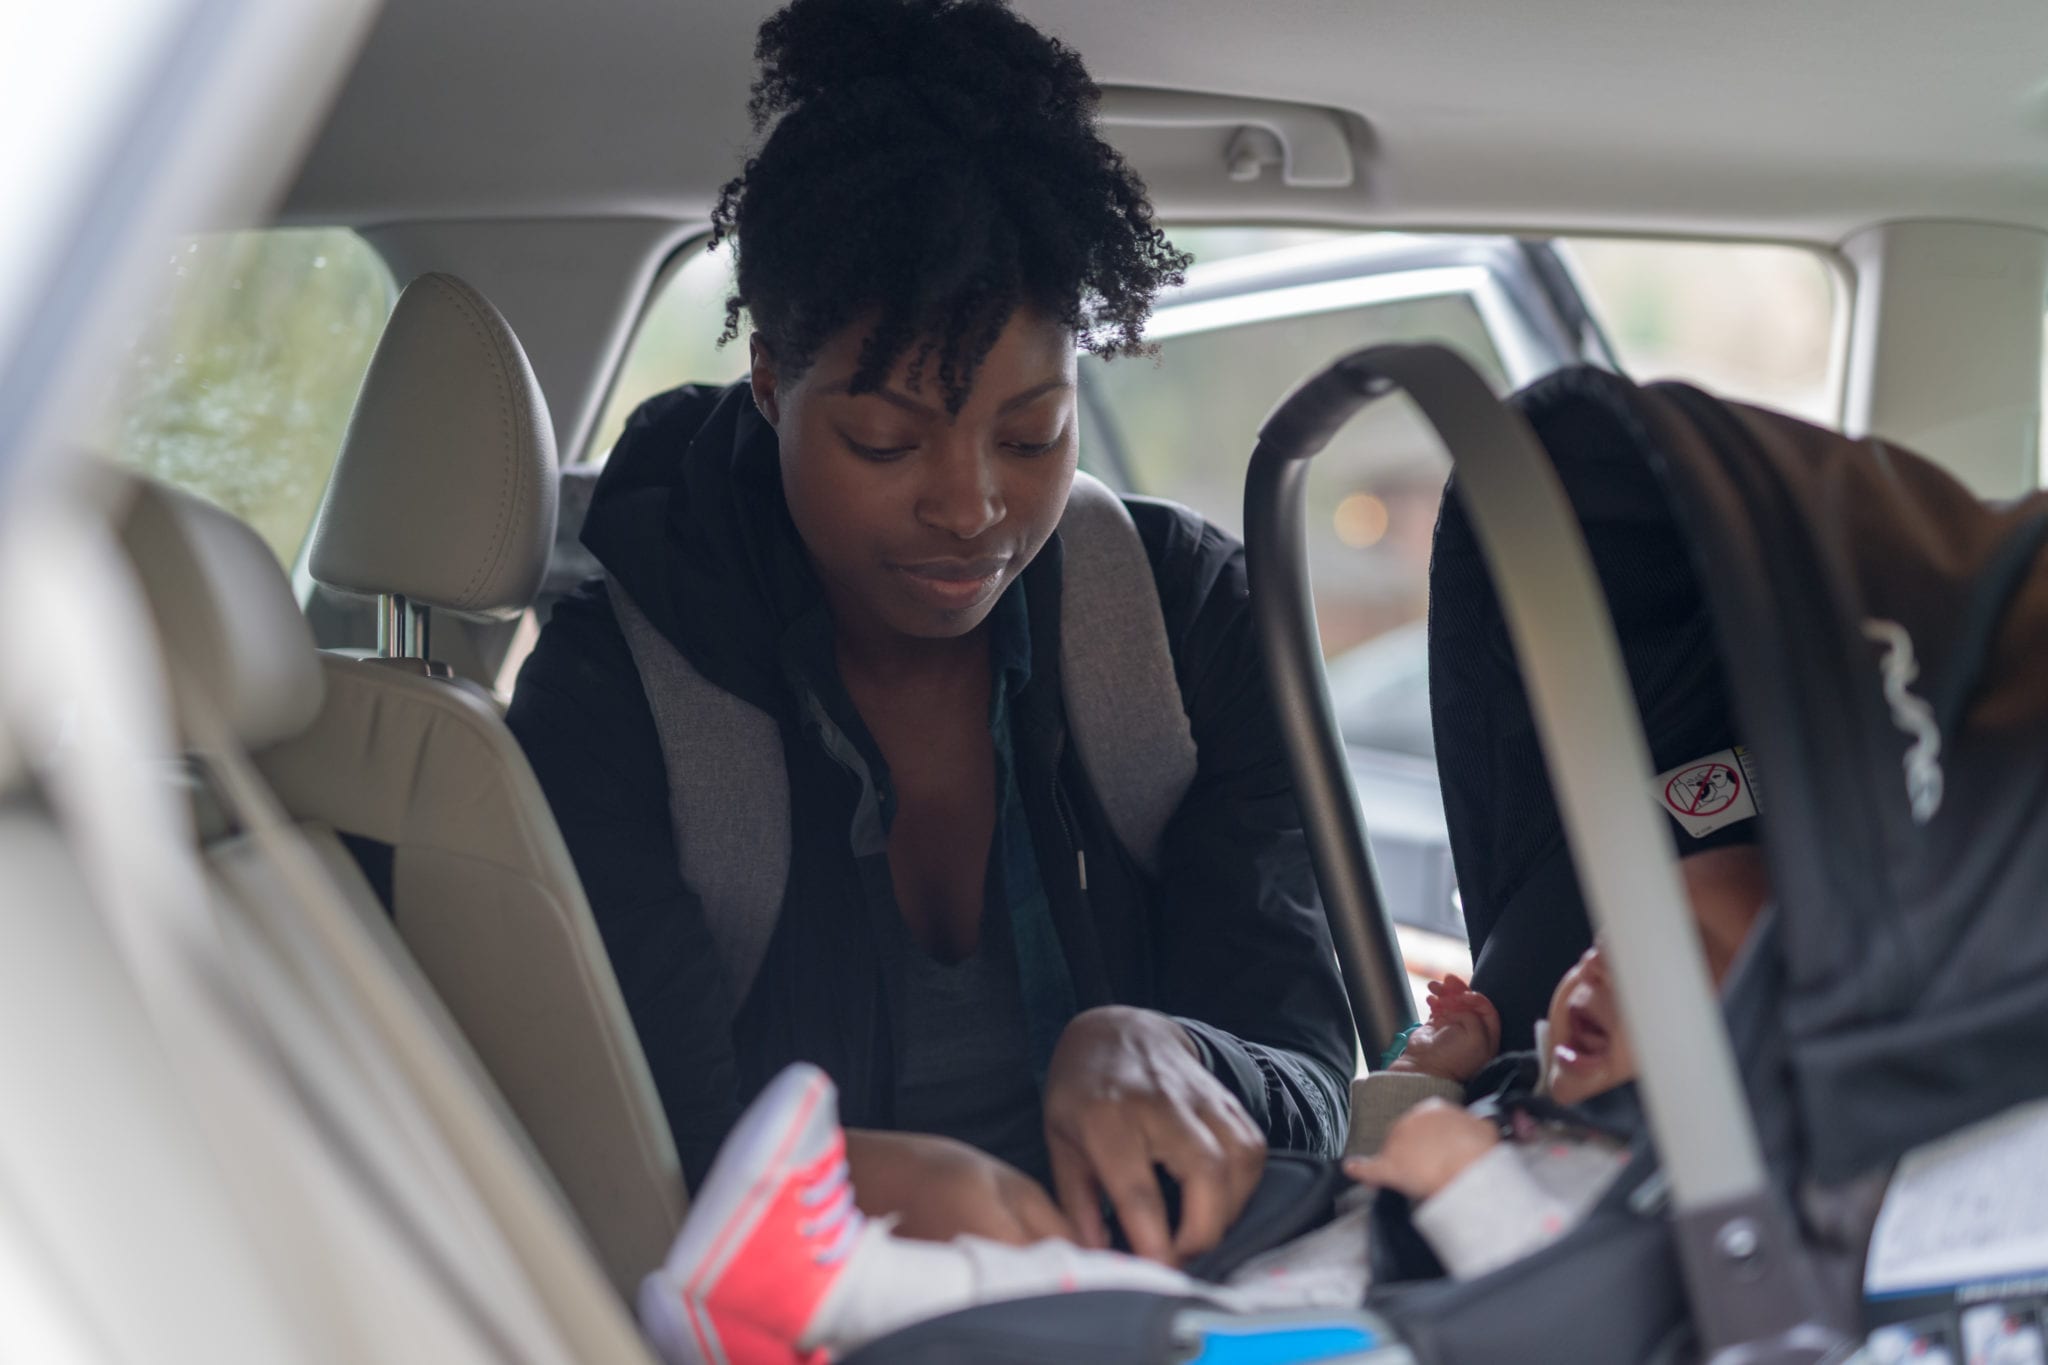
x=859, y=542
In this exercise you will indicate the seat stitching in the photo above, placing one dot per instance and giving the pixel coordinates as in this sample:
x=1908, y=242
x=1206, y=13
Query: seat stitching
x=582, y=967
x=508, y=483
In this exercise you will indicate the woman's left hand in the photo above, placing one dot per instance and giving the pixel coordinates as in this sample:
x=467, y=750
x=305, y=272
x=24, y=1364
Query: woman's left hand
x=1127, y=1092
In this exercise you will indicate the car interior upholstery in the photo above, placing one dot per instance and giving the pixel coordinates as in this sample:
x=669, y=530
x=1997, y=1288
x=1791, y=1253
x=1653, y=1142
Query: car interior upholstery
x=414, y=779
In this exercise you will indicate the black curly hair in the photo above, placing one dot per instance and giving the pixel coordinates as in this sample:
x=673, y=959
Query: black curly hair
x=934, y=166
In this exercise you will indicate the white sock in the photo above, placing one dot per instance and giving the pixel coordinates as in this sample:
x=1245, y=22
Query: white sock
x=892, y=1282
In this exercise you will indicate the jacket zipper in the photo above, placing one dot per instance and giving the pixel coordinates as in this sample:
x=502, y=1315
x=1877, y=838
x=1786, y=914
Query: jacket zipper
x=1059, y=806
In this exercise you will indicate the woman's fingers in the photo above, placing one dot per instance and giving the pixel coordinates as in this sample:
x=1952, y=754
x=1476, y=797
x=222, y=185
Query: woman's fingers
x=1214, y=1153
x=1208, y=1197
x=1126, y=1094
x=1080, y=1198
x=1215, y=1157
x=1227, y=1171
x=1120, y=1147
x=1244, y=1147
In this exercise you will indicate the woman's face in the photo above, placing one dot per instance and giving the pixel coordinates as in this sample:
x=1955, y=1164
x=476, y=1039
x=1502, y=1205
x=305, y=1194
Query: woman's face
x=918, y=519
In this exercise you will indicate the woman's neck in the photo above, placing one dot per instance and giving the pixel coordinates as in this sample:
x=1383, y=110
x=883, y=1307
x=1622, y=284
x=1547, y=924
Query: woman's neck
x=886, y=658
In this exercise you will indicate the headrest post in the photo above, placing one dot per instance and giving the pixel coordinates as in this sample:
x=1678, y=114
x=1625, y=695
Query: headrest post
x=402, y=630
x=416, y=623
x=391, y=626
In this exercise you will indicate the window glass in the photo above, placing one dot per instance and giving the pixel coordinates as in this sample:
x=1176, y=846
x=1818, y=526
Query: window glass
x=1748, y=321
x=239, y=381
x=1184, y=425
x=677, y=340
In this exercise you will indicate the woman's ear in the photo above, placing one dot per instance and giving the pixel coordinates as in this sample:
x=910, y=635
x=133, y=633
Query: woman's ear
x=762, y=378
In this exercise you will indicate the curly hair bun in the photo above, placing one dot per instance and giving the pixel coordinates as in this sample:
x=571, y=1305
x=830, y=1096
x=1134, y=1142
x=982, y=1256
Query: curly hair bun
x=933, y=166
x=978, y=65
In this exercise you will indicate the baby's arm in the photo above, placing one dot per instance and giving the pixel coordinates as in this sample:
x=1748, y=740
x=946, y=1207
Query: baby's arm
x=1477, y=1203
x=1492, y=1215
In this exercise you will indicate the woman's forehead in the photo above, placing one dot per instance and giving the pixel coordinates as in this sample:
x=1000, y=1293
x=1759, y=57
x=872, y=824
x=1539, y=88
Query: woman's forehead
x=1031, y=356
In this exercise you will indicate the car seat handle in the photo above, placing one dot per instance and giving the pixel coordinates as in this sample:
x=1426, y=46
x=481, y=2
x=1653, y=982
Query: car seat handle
x=1730, y=1225
x=1585, y=715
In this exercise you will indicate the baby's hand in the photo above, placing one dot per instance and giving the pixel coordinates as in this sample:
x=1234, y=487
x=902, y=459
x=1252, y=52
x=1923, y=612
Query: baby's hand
x=1462, y=1035
x=1427, y=1148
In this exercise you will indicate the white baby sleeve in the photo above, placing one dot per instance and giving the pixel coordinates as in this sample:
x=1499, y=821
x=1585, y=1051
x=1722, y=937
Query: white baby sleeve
x=1493, y=1213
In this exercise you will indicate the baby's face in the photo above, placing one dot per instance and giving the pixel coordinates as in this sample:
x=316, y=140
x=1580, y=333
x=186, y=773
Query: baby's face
x=1589, y=1051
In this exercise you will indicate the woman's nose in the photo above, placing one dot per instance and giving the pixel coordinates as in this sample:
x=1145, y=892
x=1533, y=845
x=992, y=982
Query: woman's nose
x=961, y=496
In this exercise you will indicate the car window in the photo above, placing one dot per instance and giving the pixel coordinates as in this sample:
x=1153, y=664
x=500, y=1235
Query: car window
x=676, y=341
x=1181, y=425
x=239, y=383
x=1751, y=321
x=1184, y=424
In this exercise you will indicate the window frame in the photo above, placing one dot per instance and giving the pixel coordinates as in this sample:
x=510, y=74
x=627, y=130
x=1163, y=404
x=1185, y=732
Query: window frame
x=672, y=264
x=1528, y=304
x=1500, y=277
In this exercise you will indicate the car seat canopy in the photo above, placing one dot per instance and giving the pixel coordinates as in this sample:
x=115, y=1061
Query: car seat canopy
x=1875, y=634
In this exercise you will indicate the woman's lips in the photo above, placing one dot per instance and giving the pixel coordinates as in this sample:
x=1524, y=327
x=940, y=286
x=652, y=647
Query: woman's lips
x=954, y=584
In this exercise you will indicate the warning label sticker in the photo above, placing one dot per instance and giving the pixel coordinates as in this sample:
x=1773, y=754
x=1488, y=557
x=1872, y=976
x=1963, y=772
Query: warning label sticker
x=1709, y=793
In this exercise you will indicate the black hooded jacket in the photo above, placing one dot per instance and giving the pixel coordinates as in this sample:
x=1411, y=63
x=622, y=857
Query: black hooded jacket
x=689, y=518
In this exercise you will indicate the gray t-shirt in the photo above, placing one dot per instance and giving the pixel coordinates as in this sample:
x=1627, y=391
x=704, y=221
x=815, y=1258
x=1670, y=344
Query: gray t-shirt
x=963, y=1064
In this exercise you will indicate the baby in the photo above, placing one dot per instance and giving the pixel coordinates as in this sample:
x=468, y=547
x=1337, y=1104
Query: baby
x=776, y=1263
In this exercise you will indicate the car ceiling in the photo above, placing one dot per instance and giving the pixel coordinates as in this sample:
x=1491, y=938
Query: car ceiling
x=1738, y=117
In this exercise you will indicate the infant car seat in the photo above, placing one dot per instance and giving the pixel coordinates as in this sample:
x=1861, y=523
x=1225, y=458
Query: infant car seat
x=1879, y=634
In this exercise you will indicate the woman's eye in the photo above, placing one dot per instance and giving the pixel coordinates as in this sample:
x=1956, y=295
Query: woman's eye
x=1032, y=447
x=880, y=453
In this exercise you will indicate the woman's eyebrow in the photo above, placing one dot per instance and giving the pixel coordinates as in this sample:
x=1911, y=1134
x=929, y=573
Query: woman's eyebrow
x=909, y=404
x=1035, y=391
x=889, y=396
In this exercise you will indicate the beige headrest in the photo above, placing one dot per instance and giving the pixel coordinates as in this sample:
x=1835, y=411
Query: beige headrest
x=445, y=490
x=225, y=610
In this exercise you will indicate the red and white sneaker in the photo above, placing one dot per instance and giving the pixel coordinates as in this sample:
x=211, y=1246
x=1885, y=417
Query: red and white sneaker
x=767, y=1237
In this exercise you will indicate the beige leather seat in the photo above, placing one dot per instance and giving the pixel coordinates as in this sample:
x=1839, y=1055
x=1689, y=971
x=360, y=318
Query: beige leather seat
x=444, y=496
x=352, y=1035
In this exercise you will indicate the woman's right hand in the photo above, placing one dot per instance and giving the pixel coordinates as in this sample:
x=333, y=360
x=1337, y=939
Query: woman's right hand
x=939, y=1189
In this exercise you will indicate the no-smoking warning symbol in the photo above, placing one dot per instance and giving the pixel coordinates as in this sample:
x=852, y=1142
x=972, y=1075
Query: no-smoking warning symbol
x=1703, y=789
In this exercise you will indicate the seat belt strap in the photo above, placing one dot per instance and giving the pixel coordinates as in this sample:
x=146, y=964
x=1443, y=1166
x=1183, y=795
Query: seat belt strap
x=728, y=795
x=729, y=787
x=1122, y=696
